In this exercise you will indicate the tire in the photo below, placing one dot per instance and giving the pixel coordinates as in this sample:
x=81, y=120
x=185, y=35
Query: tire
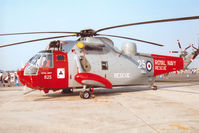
x=86, y=95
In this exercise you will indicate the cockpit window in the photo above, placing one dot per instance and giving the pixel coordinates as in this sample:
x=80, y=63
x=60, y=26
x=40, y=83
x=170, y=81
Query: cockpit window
x=35, y=60
x=40, y=60
x=46, y=61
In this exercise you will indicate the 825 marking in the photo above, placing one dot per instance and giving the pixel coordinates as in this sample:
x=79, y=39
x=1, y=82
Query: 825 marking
x=47, y=76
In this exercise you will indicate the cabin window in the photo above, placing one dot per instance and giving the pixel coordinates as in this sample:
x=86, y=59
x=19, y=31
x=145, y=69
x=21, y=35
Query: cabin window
x=60, y=58
x=104, y=65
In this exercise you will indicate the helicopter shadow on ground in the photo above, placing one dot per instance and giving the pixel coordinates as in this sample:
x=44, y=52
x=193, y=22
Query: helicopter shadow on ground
x=98, y=92
x=120, y=90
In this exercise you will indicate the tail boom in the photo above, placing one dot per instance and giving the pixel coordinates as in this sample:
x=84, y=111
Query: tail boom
x=164, y=64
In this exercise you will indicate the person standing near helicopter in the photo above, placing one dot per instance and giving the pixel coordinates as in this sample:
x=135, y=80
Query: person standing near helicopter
x=9, y=79
x=16, y=80
x=6, y=80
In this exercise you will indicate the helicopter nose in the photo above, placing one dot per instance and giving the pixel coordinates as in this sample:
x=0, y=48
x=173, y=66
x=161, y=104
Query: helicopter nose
x=19, y=73
x=20, y=76
x=27, y=80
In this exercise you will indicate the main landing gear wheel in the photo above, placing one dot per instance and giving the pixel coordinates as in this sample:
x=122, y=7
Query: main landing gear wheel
x=85, y=94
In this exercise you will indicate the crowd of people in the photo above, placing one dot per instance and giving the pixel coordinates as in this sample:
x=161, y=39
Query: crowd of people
x=9, y=79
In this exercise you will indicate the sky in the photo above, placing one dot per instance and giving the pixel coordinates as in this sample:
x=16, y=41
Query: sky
x=75, y=15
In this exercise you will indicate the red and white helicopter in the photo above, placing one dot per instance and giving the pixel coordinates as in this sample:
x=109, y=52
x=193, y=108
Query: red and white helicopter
x=92, y=61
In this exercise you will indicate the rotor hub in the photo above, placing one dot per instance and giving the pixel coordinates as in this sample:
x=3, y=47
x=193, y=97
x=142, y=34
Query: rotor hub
x=87, y=33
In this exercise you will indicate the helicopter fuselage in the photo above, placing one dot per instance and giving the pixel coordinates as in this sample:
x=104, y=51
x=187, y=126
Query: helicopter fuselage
x=97, y=63
x=94, y=61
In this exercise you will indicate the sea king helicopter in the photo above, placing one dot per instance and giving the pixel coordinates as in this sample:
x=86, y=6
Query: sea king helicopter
x=92, y=61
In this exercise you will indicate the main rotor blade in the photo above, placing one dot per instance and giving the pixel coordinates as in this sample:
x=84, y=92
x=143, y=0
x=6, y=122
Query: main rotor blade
x=179, y=44
x=150, y=22
x=54, y=32
x=131, y=39
x=35, y=40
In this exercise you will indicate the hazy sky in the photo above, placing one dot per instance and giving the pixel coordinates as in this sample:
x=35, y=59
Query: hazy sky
x=75, y=15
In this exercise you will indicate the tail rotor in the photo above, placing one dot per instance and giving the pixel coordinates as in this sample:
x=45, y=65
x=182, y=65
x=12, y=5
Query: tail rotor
x=182, y=52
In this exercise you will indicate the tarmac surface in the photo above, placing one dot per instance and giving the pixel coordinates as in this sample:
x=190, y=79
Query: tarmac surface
x=173, y=108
